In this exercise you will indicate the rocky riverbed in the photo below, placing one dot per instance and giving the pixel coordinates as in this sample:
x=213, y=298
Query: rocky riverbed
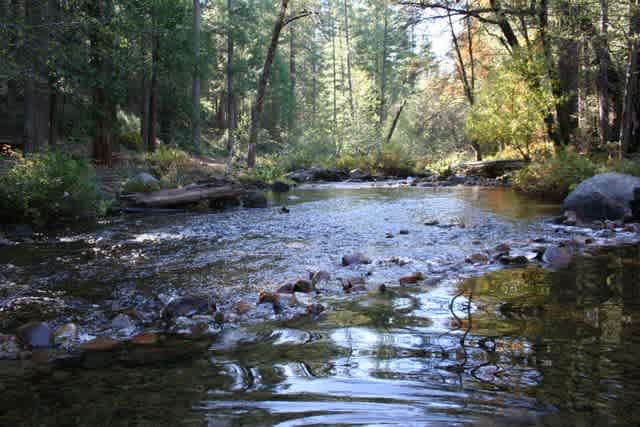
x=137, y=291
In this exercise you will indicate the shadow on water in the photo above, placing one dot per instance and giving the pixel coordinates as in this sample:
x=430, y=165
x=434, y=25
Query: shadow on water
x=516, y=346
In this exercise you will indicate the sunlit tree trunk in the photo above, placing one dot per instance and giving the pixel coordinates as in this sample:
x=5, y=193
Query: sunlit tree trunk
x=348, y=49
x=383, y=66
x=258, y=105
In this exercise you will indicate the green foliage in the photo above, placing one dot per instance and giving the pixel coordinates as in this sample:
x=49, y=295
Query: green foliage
x=167, y=160
x=510, y=110
x=47, y=187
x=554, y=177
x=629, y=167
x=131, y=140
x=267, y=170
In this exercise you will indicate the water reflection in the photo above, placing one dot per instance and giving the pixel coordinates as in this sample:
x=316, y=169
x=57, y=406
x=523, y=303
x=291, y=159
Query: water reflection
x=517, y=346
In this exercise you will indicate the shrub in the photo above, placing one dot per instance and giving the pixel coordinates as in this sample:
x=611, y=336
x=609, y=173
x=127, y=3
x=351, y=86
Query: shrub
x=554, y=177
x=131, y=140
x=166, y=160
x=47, y=187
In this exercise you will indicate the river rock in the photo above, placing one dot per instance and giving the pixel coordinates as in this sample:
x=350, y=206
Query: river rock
x=357, y=174
x=315, y=309
x=241, y=307
x=66, y=334
x=287, y=288
x=557, y=257
x=270, y=298
x=147, y=338
x=319, y=276
x=101, y=344
x=304, y=286
x=280, y=187
x=21, y=232
x=4, y=241
x=35, y=335
x=411, y=279
x=404, y=232
x=605, y=196
x=122, y=321
x=355, y=259
x=431, y=222
x=9, y=347
x=255, y=199
x=188, y=306
x=353, y=284
x=514, y=259
x=478, y=259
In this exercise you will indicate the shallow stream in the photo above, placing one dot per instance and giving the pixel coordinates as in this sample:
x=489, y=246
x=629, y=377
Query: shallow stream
x=471, y=344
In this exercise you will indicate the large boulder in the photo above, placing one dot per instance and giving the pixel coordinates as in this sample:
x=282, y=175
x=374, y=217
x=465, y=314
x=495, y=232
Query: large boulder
x=317, y=174
x=605, y=196
x=142, y=183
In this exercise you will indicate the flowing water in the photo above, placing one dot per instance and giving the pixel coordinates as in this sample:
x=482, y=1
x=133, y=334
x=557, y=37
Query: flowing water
x=470, y=345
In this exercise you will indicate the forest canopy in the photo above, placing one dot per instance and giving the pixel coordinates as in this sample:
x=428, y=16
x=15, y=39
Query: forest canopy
x=289, y=84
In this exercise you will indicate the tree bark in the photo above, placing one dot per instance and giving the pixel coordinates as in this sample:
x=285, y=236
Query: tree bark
x=383, y=66
x=36, y=86
x=505, y=26
x=258, y=105
x=568, y=76
x=292, y=75
x=630, y=128
x=195, y=90
x=150, y=143
x=396, y=119
x=468, y=83
x=604, y=126
x=348, y=48
x=335, y=79
x=231, y=107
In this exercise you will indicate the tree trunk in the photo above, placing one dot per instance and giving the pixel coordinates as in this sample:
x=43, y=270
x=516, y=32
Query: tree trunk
x=383, y=66
x=292, y=75
x=630, y=132
x=604, y=125
x=348, y=48
x=258, y=105
x=195, y=90
x=568, y=76
x=505, y=26
x=231, y=108
x=335, y=79
x=36, y=86
x=150, y=143
x=145, y=111
x=396, y=119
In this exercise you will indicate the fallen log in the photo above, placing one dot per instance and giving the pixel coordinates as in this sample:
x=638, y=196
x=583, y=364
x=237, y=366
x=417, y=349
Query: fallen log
x=182, y=196
x=490, y=168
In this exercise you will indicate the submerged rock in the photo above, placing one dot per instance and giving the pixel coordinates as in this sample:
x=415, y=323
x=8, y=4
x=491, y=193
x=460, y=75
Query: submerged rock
x=355, y=259
x=66, y=334
x=280, y=187
x=411, y=279
x=188, y=306
x=35, y=335
x=303, y=285
x=353, y=284
x=315, y=309
x=255, y=200
x=9, y=347
x=270, y=298
x=101, y=344
x=122, y=321
x=605, y=196
x=319, y=276
x=558, y=257
x=514, y=259
x=478, y=259
x=147, y=338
